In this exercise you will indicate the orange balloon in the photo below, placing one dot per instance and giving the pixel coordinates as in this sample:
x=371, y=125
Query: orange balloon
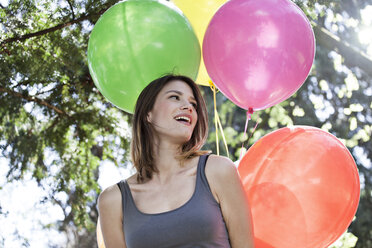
x=100, y=242
x=303, y=187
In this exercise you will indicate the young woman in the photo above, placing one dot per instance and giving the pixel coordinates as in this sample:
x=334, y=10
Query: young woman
x=180, y=196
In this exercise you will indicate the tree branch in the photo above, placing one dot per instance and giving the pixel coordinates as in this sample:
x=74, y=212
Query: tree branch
x=45, y=31
x=52, y=29
x=72, y=10
x=352, y=55
x=34, y=99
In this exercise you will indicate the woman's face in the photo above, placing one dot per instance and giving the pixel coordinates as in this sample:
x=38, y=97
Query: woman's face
x=173, y=115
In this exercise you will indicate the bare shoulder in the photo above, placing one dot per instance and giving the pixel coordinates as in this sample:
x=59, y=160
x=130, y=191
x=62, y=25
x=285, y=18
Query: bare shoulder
x=226, y=186
x=220, y=167
x=111, y=217
x=220, y=172
x=109, y=198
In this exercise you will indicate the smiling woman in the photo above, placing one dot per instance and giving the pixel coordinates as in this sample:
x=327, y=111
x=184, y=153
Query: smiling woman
x=162, y=100
x=180, y=196
x=178, y=105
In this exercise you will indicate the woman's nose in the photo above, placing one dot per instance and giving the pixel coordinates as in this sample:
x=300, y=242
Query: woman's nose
x=187, y=106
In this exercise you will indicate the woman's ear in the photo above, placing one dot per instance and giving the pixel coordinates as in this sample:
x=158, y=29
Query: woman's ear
x=149, y=117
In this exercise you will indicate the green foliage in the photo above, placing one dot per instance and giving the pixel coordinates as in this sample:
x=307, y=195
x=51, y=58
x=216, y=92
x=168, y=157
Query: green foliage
x=347, y=240
x=53, y=121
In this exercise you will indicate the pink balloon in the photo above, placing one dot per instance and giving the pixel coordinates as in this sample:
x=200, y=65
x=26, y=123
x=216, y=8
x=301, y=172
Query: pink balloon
x=258, y=53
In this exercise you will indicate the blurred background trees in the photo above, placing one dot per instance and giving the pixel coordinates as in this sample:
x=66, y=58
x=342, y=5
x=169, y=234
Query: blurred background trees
x=57, y=129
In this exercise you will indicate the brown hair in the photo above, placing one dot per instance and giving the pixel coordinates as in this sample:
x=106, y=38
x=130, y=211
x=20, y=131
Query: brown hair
x=143, y=132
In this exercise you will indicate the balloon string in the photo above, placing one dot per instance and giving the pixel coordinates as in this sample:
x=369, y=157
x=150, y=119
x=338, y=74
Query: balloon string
x=217, y=121
x=254, y=129
x=249, y=115
x=223, y=135
x=213, y=88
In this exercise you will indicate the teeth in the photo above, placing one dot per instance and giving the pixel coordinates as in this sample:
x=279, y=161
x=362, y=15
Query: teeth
x=183, y=118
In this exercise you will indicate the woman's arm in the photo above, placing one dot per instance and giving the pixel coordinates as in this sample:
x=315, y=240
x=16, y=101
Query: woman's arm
x=111, y=217
x=228, y=190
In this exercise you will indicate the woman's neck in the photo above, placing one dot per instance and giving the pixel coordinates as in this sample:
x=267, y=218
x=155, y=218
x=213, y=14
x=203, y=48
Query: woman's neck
x=165, y=156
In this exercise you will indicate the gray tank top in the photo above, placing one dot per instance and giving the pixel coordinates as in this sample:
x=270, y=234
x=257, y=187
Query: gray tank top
x=197, y=223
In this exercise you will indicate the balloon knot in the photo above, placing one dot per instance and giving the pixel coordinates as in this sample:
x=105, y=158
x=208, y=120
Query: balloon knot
x=249, y=113
x=212, y=86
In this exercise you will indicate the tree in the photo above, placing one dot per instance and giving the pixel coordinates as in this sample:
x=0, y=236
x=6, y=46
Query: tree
x=55, y=124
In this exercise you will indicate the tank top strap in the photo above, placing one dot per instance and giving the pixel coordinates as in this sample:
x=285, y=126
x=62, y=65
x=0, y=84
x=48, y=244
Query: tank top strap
x=201, y=173
x=126, y=197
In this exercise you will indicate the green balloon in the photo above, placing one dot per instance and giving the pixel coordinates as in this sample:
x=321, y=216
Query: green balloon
x=137, y=41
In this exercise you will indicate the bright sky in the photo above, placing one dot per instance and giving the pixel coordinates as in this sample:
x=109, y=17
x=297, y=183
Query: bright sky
x=4, y=2
x=365, y=35
x=22, y=213
x=25, y=215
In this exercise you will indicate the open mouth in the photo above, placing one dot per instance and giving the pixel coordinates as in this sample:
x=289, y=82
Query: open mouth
x=183, y=119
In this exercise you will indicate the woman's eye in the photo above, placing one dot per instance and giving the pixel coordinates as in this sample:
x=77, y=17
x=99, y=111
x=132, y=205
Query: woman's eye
x=175, y=97
x=194, y=104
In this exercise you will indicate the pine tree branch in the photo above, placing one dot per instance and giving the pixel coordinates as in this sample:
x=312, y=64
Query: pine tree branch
x=52, y=29
x=34, y=99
